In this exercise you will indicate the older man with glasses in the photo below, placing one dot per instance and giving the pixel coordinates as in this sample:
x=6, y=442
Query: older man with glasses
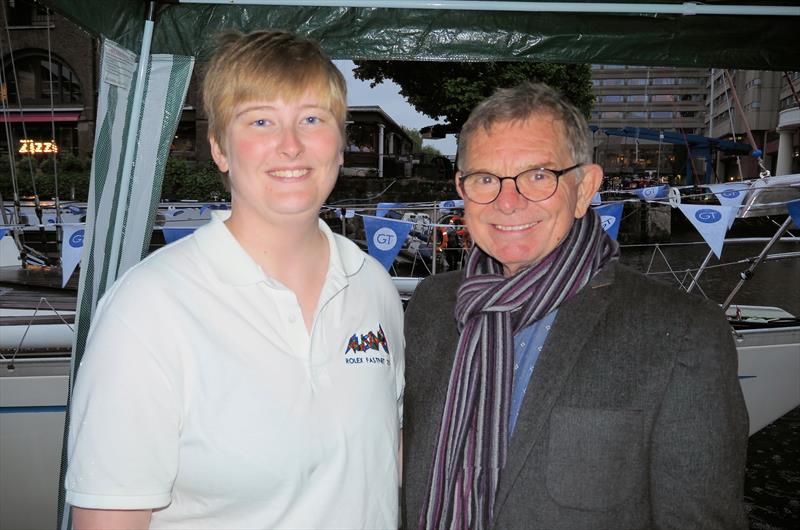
x=549, y=387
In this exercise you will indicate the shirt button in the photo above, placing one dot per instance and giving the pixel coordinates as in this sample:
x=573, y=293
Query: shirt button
x=522, y=344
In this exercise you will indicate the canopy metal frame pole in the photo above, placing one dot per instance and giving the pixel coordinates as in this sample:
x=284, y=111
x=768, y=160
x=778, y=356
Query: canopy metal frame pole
x=746, y=275
x=130, y=146
x=685, y=8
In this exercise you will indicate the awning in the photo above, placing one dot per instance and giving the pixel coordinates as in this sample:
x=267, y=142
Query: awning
x=35, y=117
x=664, y=33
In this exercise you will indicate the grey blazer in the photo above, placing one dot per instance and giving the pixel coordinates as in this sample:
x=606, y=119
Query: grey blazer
x=633, y=417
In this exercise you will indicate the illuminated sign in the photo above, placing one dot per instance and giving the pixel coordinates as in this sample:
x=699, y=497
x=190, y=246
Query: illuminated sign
x=32, y=147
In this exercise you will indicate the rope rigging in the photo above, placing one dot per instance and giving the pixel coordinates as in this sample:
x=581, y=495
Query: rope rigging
x=26, y=253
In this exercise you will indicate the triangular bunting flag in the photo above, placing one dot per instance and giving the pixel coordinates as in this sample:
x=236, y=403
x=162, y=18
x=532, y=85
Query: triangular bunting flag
x=652, y=192
x=794, y=210
x=385, y=237
x=173, y=234
x=711, y=221
x=71, y=250
x=610, y=216
x=730, y=194
x=3, y=232
x=596, y=199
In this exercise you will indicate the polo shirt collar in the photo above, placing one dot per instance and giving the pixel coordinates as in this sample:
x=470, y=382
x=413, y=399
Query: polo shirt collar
x=231, y=263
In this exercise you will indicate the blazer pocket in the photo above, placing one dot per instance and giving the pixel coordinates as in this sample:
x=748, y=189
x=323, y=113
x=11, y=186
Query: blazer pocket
x=595, y=457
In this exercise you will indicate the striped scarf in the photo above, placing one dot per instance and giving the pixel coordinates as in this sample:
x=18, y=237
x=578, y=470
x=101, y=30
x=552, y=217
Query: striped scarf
x=490, y=308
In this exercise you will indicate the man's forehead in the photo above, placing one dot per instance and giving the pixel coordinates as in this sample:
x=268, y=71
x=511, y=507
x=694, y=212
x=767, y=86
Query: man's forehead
x=538, y=120
x=516, y=145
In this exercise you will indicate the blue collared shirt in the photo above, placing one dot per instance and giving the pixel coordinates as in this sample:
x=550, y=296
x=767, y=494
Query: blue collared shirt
x=528, y=343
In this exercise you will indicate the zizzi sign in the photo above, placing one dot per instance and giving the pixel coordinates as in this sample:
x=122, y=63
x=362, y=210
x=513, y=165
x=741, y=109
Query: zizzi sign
x=32, y=147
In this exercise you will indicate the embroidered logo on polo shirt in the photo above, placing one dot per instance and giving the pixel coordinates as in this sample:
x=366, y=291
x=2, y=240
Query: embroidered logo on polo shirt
x=366, y=348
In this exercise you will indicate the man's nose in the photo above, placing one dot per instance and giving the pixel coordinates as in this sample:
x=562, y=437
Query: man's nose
x=509, y=199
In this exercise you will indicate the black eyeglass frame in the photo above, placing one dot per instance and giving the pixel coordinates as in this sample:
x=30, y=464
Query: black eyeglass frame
x=557, y=172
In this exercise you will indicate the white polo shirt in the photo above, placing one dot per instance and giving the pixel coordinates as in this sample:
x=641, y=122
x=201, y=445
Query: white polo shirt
x=201, y=392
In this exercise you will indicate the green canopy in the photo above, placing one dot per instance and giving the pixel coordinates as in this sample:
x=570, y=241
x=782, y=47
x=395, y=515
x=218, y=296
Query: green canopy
x=574, y=32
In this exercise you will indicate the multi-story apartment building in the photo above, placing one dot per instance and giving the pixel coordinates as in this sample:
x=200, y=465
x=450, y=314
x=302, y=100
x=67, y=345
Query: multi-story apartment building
x=749, y=114
x=696, y=101
x=657, y=98
x=662, y=99
x=763, y=115
x=788, y=158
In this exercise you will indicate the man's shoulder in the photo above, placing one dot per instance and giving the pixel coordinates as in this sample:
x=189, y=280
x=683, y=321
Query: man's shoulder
x=635, y=285
x=443, y=282
x=436, y=290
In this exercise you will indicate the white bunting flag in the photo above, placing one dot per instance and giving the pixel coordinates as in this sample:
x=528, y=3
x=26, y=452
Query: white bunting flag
x=730, y=194
x=711, y=221
x=71, y=250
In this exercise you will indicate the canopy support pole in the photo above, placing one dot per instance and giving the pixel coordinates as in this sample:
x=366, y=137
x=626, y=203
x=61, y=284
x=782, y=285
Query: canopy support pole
x=685, y=8
x=130, y=146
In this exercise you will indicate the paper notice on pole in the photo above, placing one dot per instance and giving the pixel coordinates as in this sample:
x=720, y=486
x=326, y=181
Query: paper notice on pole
x=119, y=65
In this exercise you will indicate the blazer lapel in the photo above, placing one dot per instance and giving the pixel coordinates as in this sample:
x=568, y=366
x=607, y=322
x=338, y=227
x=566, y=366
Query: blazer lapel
x=573, y=327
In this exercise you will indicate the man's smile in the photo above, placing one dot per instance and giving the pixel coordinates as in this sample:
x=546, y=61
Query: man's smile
x=515, y=228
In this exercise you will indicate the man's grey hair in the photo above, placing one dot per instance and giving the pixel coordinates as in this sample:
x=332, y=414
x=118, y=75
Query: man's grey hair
x=524, y=101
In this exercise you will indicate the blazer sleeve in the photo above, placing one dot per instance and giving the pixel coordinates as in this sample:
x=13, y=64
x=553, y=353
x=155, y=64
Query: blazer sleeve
x=699, y=444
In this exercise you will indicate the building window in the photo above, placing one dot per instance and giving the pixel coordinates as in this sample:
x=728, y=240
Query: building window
x=637, y=114
x=637, y=98
x=40, y=78
x=637, y=82
x=613, y=82
x=26, y=13
x=663, y=98
x=661, y=114
x=611, y=115
x=609, y=99
x=664, y=81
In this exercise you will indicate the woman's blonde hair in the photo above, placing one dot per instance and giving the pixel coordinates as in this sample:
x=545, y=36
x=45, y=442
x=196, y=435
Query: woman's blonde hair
x=268, y=65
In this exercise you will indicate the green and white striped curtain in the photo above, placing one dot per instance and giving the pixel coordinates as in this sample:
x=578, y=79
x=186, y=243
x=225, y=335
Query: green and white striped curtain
x=122, y=204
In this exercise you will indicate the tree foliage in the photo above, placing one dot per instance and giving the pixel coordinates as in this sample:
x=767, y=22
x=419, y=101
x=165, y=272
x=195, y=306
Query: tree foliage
x=450, y=90
x=416, y=139
x=183, y=179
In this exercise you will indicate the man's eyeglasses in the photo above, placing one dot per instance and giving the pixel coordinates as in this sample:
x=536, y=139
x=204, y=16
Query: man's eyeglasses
x=536, y=184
